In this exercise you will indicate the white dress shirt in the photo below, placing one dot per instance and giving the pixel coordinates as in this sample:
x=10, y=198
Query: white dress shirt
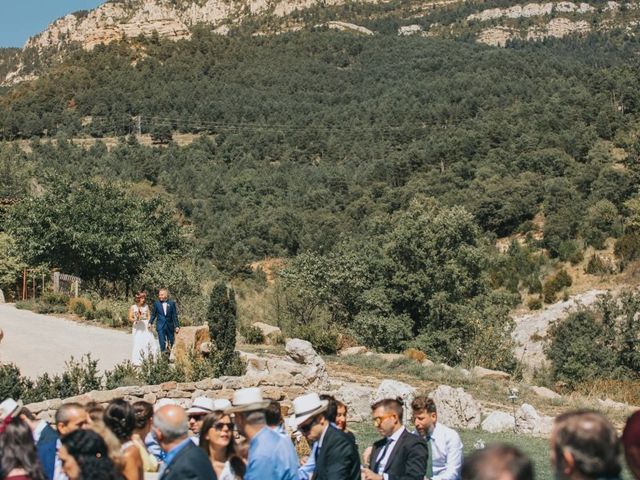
x=37, y=432
x=446, y=448
x=382, y=462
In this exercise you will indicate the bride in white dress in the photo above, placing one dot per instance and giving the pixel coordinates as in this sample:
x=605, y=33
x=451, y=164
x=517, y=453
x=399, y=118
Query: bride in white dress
x=144, y=343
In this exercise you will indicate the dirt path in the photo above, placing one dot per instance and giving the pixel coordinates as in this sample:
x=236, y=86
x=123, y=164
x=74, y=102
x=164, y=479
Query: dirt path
x=43, y=343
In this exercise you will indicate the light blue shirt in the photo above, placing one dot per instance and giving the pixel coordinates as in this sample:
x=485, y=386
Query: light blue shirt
x=153, y=447
x=272, y=457
x=306, y=470
x=446, y=448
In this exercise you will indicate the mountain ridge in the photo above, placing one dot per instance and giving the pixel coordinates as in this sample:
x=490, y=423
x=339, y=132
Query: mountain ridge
x=494, y=23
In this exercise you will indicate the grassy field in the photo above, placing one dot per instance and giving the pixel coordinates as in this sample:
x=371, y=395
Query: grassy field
x=536, y=448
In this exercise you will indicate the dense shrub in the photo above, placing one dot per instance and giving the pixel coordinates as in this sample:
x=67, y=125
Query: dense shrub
x=534, y=303
x=222, y=320
x=555, y=284
x=627, y=248
x=12, y=384
x=80, y=305
x=323, y=339
x=55, y=298
x=251, y=334
x=598, y=266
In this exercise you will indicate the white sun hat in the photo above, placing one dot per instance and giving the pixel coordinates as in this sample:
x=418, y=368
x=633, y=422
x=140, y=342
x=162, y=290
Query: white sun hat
x=9, y=407
x=202, y=406
x=247, y=400
x=221, y=404
x=306, y=406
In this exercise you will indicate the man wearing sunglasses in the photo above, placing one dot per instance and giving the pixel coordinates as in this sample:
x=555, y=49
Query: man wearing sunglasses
x=336, y=455
x=400, y=455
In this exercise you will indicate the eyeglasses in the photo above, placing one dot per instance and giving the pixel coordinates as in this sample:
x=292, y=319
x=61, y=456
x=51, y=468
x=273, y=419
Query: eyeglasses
x=377, y=421
x=219, y=426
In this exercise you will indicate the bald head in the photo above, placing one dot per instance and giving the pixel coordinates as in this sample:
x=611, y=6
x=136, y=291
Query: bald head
x=171, y=424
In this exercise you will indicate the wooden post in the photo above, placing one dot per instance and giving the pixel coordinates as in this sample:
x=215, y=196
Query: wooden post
x=24, y=284
x=42, y=283
x=33, y=283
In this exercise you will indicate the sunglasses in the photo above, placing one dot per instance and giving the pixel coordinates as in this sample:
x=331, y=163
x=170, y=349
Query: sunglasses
x=219, y=426
x=306, y=427
x=377, y=421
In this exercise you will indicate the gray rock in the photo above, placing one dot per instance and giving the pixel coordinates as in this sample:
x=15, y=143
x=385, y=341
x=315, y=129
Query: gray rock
x=529, y=421
x=480, y=372
x=613, y=405
x=393, y=389
x=456, y=408
x=352, y=351
x=269, y=332
x=105, y=396
x=209, y=384
x=427, y=363
x=315, y=370
x=544, y=392
x=497, y=422
x=357, y=398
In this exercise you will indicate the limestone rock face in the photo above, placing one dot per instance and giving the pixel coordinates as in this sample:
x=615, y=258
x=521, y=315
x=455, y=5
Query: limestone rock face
x=497, y=422
x=189, y=338
x=456, y=408
x=544, y=392
x=314, y=369
x=393, y=389
x=480, y=372
x=529, y=421
x=357, y=398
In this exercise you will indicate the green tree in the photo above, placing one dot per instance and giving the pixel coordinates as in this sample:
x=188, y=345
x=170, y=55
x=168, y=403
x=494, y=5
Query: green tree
x=98, y=231
x=10, y=264
x=222, y=321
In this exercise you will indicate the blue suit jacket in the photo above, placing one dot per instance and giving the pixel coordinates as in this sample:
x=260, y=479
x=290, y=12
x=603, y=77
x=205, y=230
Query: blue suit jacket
x=161, y=320
x=47, y=448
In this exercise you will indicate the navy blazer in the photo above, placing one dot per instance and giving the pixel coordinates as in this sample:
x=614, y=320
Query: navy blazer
x=47, y=448
x=191, y=463
x=338, y=458
x=162, y=320
x=408, y=459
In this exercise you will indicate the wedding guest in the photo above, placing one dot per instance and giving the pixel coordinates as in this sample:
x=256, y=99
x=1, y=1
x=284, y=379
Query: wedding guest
x=399, y=454
x=217, y=441
x=585, y=445
x=444, y=444
x=70, y=417
x=144, y=417
x=341, y=419
x=84, y=456
x=46, y=439
x=120, y=418
x=18, y=455
x=95, y=411
x=336, y=455
x=111, y=441
x=271, y=455
x=497, y=462
x=183, y=459
x=273, y=415
x=201, y=406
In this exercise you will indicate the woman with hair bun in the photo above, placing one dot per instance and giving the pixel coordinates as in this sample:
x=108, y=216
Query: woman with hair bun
x=120, y=418
x=84, y=456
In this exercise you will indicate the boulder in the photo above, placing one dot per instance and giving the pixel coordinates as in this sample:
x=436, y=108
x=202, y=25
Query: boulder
x=255, y=365
x=544, y=392
x=609, y=404
x=529, y=421
x=480, y=372
x=189, y=338
x=270, y=333
x=456, y=408
x=391, y=357
x=357, y=398
x=394, y=389
x=314, y=370
x=497, y=422
x=352, y=351
x=427, y=363
x=105, y=396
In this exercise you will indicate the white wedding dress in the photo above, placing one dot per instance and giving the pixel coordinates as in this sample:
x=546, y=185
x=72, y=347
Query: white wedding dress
x=144, y=343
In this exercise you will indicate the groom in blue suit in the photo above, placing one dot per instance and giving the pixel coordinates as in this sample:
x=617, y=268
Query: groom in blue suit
x=165, y=315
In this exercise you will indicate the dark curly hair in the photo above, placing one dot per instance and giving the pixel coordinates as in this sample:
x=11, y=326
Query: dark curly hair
x=120, y=418
x=90, y=451
x=143, y=412
x=233, y=456
x=17, y=450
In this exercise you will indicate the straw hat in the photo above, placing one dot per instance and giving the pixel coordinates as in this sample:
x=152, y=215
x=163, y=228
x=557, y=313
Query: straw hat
x=307, y=406
x=247, y=400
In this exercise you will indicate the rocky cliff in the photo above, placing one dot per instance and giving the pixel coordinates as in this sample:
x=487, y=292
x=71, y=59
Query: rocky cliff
x=175, y=19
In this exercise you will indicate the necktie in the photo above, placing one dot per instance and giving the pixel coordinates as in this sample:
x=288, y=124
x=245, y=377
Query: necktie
x=376, y=466
x=430, y=459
